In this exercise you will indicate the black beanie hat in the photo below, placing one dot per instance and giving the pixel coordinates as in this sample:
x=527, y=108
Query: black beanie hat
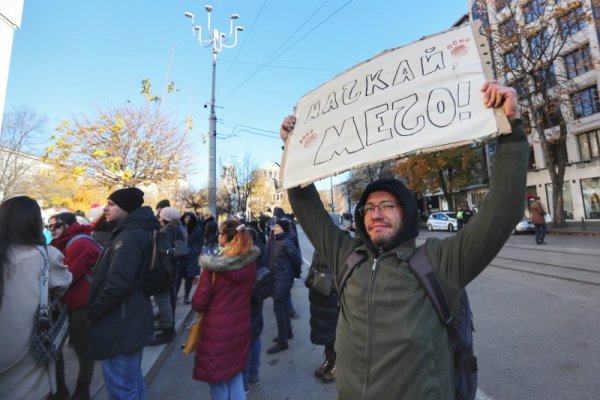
x=410, y=210
x=284, y=224
x=128, y=198
x=163, y=204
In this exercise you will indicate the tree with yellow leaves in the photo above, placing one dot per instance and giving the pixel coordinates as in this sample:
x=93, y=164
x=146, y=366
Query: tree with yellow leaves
x=126, y=146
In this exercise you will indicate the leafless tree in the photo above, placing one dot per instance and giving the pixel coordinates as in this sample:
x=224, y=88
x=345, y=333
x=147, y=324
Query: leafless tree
x=238, y=179
x=18, y=130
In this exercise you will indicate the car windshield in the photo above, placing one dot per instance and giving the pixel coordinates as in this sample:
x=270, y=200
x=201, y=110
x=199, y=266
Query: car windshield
x=451, y=214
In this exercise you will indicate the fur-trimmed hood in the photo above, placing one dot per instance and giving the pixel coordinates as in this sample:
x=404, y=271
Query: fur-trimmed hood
x=226, y=263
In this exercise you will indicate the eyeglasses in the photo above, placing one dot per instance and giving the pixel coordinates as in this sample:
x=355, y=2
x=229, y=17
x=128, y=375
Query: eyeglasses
x=384, y=206
x=52, y=227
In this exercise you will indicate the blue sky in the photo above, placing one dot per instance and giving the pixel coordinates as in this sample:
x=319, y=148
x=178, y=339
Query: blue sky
x=71, y=58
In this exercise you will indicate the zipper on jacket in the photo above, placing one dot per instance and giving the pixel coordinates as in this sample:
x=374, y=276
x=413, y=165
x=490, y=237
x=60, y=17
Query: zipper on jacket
x=368, y=346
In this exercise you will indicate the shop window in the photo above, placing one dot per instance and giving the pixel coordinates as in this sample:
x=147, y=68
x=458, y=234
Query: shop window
x=578, y=61
x=585, y=102
x=567, y=200
x=589, y=145
x=590, y=191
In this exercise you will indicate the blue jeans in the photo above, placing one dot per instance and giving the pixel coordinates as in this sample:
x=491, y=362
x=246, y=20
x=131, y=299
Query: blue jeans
x=232, y=389
x=123, y=377
x=540, y=233
x=251, y=370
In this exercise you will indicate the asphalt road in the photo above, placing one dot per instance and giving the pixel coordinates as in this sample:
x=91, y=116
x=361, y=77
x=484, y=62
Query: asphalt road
x=536, y=314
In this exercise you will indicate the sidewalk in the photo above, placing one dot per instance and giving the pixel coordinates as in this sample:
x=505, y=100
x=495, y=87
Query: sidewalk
x=151, y=361
x=578, y=228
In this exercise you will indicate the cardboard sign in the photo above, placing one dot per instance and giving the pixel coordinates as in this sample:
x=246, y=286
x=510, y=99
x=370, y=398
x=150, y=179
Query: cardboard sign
x=421, y=97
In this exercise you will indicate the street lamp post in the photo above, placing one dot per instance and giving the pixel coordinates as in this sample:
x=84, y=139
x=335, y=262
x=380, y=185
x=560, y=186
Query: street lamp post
x=218, y=40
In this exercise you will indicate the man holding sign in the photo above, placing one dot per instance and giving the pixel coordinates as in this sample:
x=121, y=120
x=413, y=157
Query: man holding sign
x=390, y=341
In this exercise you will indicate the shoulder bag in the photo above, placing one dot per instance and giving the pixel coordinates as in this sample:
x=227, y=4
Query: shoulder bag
x=51, y=322
x=191, y=342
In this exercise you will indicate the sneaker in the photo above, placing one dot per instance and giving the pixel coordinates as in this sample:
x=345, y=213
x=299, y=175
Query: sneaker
x=277, y=348
x=329, y=376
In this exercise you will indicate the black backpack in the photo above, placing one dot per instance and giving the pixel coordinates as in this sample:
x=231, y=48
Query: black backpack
x=264, y=286
x=460, y=327
x=158, y=276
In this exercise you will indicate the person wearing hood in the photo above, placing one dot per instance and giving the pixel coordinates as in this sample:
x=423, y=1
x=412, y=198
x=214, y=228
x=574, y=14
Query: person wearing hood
x=223, y=296
x=211, y=236
x=120, y=313
x=390, y=342
x=282, y=255
x=81, y=253
x=190, y=268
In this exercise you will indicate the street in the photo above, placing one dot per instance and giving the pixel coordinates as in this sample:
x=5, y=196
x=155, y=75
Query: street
x=535, y=315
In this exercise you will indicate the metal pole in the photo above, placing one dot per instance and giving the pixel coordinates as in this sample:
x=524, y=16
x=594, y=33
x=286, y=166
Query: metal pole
x=212, y=145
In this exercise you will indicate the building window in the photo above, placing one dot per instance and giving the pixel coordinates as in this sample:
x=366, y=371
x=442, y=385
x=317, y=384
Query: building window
x=567, y=201
x=578, y=61
x=548, y=117
x=544, y=78
x=511, y=62
x=585, y=102
x=588, y=145
x=531, y=163
x=572, y=22
x=507, y=29
x=538, y=44
x=590, y=191
x=533, y=10
x=501, y=5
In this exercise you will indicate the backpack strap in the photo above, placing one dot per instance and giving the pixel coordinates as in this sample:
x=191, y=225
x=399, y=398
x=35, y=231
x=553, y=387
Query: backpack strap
x=420, y=265
x=423, y=270
x=348, y=268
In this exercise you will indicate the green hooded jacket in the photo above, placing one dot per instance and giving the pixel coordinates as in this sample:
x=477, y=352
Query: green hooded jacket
x=390, y=343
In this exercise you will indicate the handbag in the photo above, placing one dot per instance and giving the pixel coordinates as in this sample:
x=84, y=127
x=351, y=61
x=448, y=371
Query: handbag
x=322, y=282
x=191, y=342
x=547, y=218
x=180, y=249
x=51, y=322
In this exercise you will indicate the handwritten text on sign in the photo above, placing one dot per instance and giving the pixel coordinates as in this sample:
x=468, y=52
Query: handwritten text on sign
x=421, y=97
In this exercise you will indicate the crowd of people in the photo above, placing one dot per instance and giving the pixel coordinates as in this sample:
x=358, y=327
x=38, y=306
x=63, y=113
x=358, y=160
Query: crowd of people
x=381, y=335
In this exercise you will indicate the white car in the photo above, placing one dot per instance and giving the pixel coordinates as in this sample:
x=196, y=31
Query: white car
x=525, y=225
x=443, y=220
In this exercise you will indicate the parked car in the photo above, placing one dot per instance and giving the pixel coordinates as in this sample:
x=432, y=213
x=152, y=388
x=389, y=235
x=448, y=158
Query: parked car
x=525, y=225
x=443, y=220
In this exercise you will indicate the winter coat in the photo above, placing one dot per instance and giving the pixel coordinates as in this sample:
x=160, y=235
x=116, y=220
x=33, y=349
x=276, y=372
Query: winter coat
x=323, y=309
x=224, y=343
x=80, y=258
x=120, y=314
x=390, y=342
x=211, y=231
x=21, y=377
x=195, y=241
x=282, y=254
x=537, y=213
x=175, y=231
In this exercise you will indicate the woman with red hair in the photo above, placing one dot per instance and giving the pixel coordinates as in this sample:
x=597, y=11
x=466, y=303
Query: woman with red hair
x=223, y=296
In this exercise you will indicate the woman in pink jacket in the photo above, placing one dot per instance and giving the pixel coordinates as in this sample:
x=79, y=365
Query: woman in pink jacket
x=224, y=299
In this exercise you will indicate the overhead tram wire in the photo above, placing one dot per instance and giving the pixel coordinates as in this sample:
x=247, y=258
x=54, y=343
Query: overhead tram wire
x=248, y=35
x=286, y=50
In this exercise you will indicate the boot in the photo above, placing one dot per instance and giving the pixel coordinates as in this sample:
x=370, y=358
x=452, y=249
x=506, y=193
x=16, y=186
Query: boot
x=166, y=336
x=82, y=391
x=327, y=364
x=62, y=391
x=329, y=376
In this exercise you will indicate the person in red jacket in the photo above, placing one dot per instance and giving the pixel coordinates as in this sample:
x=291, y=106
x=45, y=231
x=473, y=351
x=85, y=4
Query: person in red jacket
x=81, y=253
x=224, y=299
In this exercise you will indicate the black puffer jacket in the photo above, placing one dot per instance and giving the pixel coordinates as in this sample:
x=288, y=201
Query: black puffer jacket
x=324, y=310
x=120, y=313
x=282, y=254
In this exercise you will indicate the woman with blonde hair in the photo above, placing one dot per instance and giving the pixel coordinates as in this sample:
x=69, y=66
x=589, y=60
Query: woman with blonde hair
x=223, y=296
